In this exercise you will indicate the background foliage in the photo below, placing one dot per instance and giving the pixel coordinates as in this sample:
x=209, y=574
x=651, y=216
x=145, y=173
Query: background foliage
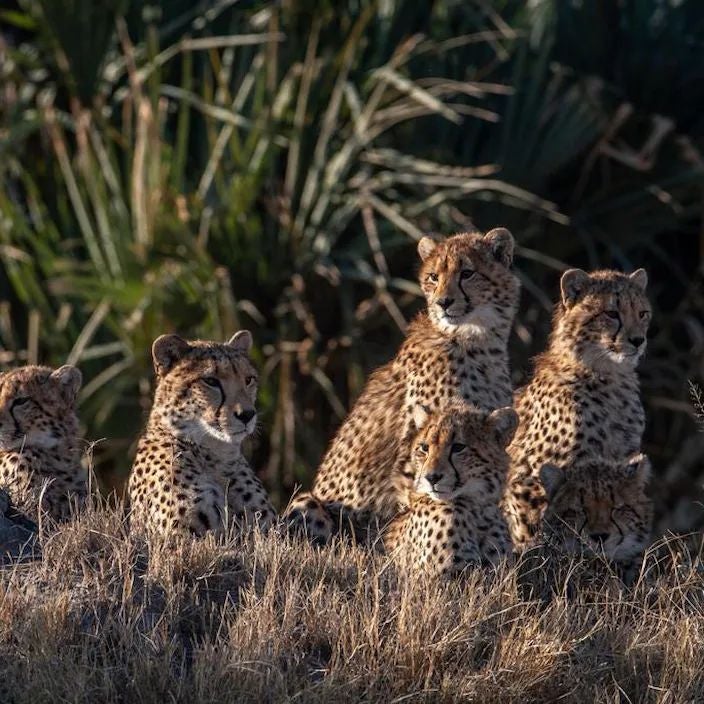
x=200, y=167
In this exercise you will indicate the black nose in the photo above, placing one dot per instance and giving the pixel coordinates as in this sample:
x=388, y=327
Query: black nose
x=445, y=303
x=599, y=537
x=433, y=478
x=636, y=341
x=246, y=416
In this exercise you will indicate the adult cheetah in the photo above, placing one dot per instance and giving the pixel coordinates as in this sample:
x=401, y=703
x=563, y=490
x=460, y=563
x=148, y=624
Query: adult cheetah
x=454, y=351
x=40, y=464
x=189, y=474
x=453, y=517
x=584, y=400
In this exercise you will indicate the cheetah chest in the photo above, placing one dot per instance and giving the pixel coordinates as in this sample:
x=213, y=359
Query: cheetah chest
x=599, y=416
x=452, y=372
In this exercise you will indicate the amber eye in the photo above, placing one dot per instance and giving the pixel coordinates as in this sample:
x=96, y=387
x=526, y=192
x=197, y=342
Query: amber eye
x=466, y=274
x=423, y=447
x=211, y=381
x=433, y=278
x=457, y=447
x=250, y=380
x=613, y=314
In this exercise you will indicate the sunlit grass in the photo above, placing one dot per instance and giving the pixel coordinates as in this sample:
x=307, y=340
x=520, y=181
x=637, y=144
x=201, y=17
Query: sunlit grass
x=107, y=617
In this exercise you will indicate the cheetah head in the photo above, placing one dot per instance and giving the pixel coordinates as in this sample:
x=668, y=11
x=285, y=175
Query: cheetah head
x=462, y=450
x=604, y=316
x=600, y=507
x=38, y=407
x=205, y=391
x=468, y=283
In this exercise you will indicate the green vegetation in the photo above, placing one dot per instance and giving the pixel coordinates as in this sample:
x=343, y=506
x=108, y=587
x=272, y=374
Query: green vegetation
x=200, y=167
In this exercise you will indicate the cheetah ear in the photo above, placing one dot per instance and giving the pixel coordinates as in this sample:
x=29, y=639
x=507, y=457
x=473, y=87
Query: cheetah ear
x=166, y=351
x=638, y=468
x=421, y=415
x=69, y=379
x=502, y=244
x=426, y=246
x=503, y=423
x=640, y=278
x=552, y=478
x=241, y=340
x=573, y=285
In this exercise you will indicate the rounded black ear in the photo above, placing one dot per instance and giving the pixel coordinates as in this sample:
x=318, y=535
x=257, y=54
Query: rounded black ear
x=502, y=423
x=69, y=379
x=166, y=351
x=552, y=478
x=426, y=246
x=502, y=245
x=241, y=340
x=640, y=278
x=573, y=284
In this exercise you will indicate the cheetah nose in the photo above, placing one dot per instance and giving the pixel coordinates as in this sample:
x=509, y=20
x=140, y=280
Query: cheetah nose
x=432, y=478
x=599, y=537
x=445, y=303
x=246, y=416
x=636, y=341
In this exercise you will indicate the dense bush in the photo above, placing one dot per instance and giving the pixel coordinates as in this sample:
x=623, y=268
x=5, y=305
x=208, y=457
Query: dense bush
x=171, y=167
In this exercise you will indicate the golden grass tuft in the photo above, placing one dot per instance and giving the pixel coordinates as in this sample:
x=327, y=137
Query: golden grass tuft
x=106, y=616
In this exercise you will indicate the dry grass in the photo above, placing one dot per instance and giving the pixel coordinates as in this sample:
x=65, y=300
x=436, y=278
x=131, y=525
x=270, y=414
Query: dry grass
x=106, y=617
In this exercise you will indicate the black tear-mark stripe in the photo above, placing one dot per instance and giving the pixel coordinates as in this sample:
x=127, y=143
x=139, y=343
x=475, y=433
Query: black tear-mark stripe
x=222, y=398
x=18, y=428
x=464, y=293
x=620, y=322
x=458, y=482
x=618, y=528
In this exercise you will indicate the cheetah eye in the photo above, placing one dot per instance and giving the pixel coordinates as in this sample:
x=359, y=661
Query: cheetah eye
x=457, y=447
x=423, y=447
x=433, y=278
x=250, y=380
x=211, y=381
x=643, y=314
x=613, y=314
x=466, y=274
x=21, y=401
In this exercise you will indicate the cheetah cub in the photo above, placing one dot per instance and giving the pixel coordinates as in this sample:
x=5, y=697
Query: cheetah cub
x=189, y=474
x=455, y=351
x=584, y=399
x=601, y=508
x=40, y=464
x=453, y=517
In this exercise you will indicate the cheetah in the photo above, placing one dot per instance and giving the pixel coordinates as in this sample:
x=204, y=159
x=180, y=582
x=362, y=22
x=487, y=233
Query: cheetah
x=456, y=350
x=40, y=458
x=453, y=517
x=600, y=507
x=189, y=474
x=583, y=400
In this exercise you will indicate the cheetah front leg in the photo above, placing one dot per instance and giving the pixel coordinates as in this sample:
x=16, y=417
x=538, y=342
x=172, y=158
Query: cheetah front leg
x=523, y=506
x=248, y=501
x=308, y=516
x=461, y=558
